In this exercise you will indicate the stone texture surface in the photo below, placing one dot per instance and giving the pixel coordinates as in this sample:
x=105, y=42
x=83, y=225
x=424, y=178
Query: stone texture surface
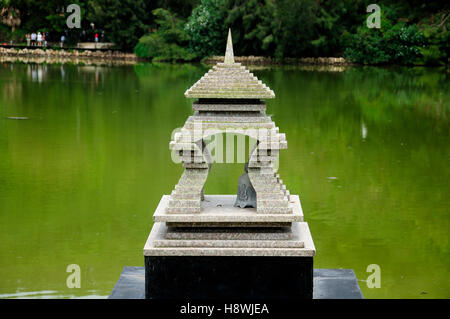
x=240, y=106
x=229, y=80
x=229, y=243
x=336, y=284
x=229, y=54
x=131, y=284
x=229, y=233
x=299, y=245
x=229, y=224
x=216, y=209
x=272, y=194
x=232, y=237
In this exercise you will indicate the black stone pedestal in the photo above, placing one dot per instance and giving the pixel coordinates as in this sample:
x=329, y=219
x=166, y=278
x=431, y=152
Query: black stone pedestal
x=328, y=284
x=228, y=277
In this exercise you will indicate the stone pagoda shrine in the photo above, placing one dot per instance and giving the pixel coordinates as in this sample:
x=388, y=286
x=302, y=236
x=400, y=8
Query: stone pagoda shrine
x=251, y=245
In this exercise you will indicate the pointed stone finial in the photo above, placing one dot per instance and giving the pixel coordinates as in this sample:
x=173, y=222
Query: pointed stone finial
x=229, y=55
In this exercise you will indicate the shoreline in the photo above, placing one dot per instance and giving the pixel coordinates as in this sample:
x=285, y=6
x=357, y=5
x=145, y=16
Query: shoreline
x=261, y=60
x=110, y=57
x=67, y=56
x=96, y=56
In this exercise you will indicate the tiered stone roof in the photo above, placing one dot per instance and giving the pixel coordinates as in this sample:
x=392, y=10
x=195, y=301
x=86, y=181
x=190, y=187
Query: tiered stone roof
x=229, y=80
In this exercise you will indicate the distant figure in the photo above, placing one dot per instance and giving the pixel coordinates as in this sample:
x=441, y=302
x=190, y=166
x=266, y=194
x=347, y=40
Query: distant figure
x=33, y=38
x=96, y=38
x=28, y=37
x=102, y=37
x=63, y=39
x=44, y=42
x=39, y=39
x=246, y=196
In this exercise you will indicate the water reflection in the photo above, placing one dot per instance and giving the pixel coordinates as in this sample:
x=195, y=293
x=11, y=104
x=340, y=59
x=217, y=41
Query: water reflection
x=36, y=72
x=363, y=130
x=15, y=78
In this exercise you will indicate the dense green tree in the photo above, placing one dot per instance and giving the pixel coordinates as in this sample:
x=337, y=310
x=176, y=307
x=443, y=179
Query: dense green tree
x=123, y=20
x=291, y=28
x=169, y=42
x=251, y=24
x=413, y=31
x=182, y=8
x=43, y=16
x=334, y=23
x=206, y=29
x=294, y=27
x=399, y=41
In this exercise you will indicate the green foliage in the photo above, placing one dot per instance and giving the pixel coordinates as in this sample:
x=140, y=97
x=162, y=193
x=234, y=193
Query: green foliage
x=182, y=8
x=293, y=27
x=281, y=28
x=206, y=29
x=6, y=35
x=404, y=43
x=123, y=20
x=412, y=32
x=432, y=55
x=169, y=43
x=438, y=39
x=367, y=46
x=399, y=43
x=251, y=22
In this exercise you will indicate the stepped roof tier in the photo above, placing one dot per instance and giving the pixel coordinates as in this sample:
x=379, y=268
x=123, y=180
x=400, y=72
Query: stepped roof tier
x=229, y=80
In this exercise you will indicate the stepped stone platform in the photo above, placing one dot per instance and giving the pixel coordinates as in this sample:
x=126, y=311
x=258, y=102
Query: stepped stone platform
x=299, y=243
x=218, y=211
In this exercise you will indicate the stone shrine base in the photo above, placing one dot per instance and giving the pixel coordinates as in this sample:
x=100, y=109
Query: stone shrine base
x=218, y=211
x=169, y=241
x=328, y=284
x=229, y=252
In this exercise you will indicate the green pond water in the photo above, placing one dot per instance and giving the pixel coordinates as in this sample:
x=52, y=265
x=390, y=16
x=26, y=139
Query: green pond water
x=368, y=153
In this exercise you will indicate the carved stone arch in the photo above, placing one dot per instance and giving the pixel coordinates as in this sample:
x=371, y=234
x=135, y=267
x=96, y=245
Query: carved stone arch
x=272, y=196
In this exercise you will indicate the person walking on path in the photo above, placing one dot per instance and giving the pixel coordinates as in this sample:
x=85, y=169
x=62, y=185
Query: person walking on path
x=28, y=37
x=63, y=39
